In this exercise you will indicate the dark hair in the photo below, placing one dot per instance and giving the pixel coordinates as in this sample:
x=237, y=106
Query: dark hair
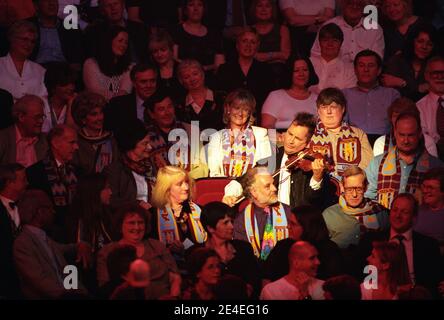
x=330, y=95
x=331, y=30
x=158, y=96
x=434, y=174
x=307, y=120
x=252, y=10
x=126, y=210
x=402, y=105
x=119, y=260
x=197, y=259
x=8, y=173
x=57, y=132
x=105, y=56
x=128, y=136
x=312, y=76
x=84, y=103
x=184, y=6
x=343, y=287
x=411, y=115
x=58, y=74
x=368, y=53
x=213, y=212
x=142, y=67
x=408, y=52
x=409, y=197
x=313, y=224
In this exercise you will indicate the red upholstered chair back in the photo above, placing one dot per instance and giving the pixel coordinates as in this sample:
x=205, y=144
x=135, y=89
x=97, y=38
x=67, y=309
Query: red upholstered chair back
x=209, y=189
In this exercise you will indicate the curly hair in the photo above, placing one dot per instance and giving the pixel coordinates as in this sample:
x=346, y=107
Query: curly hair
x=84, y=103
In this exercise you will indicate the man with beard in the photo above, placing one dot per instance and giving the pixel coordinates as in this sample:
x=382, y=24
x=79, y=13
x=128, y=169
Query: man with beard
x=264, y=221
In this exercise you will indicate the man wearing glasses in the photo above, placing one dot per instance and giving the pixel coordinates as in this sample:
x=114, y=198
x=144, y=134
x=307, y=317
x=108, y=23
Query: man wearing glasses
x=354, y=215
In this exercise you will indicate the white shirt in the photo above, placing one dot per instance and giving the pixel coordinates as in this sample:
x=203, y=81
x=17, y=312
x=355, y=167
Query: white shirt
x=29, y=82
x=47, y=123
x=140, y=108
x=408, y=244
x=428, y=107
x=307, y=7
x=283, y=290
x=356, y=39
x=378, y=147
x=334, y=73
x=13, y=213
x=142, y=187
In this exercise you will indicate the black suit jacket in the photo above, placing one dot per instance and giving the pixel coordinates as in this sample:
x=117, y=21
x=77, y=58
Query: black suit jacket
x=120, y=112
x=426, y=257
x=71, y=42
x=6, y=102
x=9, y=284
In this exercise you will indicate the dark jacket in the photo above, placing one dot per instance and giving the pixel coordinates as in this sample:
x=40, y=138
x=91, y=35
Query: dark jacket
x=122, y=183
x=120, y=112
x=6, y=102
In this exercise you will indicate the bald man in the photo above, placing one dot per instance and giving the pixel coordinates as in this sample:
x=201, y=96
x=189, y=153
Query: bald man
x=300, y=283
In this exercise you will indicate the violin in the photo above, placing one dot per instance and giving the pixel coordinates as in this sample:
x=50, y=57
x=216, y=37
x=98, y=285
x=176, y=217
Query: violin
x=304, y=159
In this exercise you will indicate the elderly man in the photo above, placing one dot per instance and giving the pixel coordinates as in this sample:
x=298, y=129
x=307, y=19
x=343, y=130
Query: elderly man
x=349, y=219
x=356, y=36
x=431, y=106
x=264, y=221
x=39, y=260
x=12, y=185
x=401, y=168
x=422, y=252
x=56, y=176
x=24, y=141
x=300, y=283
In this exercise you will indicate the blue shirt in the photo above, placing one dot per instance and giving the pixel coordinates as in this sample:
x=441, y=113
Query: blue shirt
x=50, y=47
x=368, y=110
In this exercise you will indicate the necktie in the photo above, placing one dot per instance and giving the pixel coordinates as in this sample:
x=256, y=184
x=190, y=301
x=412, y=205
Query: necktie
x=267, y=241
x=401, y=239
x=13, y=205
x=440, y=117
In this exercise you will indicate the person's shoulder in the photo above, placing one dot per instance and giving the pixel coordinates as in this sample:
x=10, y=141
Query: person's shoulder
x=427, y=241
x=122, y=99
x=155, y=244
x=35, y=67
x=259, y=131
x=358, y=131
x=422, y=103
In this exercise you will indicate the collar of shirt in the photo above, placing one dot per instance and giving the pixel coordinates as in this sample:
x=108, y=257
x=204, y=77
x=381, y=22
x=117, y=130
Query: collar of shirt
x=376, y=87
x=19, y=138
x=5, y=201
x=407, y=235
x=139, y=101
x=434, y=97
x=331, y=62
x=344, y=24
x=208, y=97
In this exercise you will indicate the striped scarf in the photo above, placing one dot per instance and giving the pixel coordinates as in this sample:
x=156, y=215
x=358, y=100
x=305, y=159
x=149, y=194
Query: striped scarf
x=389, y=175
x=103, y=149
x=239, y=148
x=366, y=214
x=62, y=181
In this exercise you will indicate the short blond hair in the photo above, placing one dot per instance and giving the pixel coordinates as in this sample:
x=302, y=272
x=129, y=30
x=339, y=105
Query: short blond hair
x=243, y=97
x=165, y=178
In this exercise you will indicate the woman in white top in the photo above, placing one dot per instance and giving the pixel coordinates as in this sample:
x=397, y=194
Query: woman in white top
x=108, y=72
x=18, y=75
x=282, y=105
x=232, y=151
x=392, y=272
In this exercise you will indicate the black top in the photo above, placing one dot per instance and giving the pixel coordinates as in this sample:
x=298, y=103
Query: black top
x=157, y=13
x=6, y=102
x=271, y=41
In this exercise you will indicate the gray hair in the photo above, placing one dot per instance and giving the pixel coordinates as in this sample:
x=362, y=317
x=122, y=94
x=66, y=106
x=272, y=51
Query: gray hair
x=189, y=63
x=21, y=105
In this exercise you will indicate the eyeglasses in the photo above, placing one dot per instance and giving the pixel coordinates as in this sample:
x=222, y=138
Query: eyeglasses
x=358, y=190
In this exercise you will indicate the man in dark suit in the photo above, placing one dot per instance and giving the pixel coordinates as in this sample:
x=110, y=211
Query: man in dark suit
x=39, y=260
x=12, y=185
x=112, y=11
x=24, y=141
x=56, y=43
x=297, y=187
x=422, y=252
x=6, y=102
x=124, y=110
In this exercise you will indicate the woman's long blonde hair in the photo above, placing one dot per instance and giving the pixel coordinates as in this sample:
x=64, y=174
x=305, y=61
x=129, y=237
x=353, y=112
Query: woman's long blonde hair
x=166, y=177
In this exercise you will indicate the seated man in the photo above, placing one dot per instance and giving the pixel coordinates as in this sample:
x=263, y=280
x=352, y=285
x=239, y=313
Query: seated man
x=300, y=283
x=402, y=167
x=430, y=220
x=331, y=70
x=264, y=221
x=367, y=102
x=24, y=141
x=39, y=260
x=354, y=214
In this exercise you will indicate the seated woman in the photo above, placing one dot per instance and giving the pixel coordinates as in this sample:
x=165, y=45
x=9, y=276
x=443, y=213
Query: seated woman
x=335, y=138
x=131, y=176
x=132, y=225
x=400, y=105
x=19, y=75
x=60, y=81
x=108, y=72
x=282, y=105
x=193, y=40
x=200, y=103
x=160, y=46
x=274, y=37
x=97, y=147
x=232, y=151
x=203, y=265
x=175, y=218
x=405, y=71
x=393, y=273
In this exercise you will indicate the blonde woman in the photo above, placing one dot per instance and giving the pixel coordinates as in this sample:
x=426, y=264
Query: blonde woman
x=175, y=218
x=232, y=151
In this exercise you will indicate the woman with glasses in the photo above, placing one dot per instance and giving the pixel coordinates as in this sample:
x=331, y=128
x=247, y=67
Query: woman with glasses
x=232, y=151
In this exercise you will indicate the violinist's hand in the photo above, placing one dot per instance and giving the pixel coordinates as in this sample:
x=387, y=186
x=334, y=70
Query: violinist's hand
x=318, y=168
x=230, y=200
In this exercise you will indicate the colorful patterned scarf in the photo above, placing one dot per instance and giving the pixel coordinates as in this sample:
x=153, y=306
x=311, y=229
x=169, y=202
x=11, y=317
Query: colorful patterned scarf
x=366, y=214
x=348, y=148
x=103, y=147
x=62, y=181
x=389, y=175
x=239, y=148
